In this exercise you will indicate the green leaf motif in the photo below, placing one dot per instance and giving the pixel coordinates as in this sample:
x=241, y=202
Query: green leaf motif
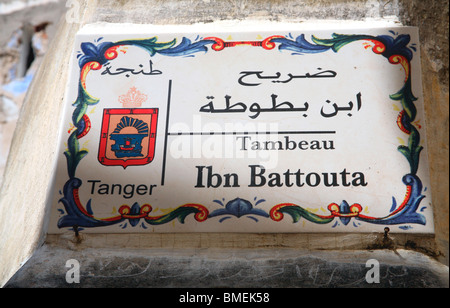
x=412, y=151
x=73, y=154
x=150, y=45
x=407, y=99
x=339, y=40
x=180, y=213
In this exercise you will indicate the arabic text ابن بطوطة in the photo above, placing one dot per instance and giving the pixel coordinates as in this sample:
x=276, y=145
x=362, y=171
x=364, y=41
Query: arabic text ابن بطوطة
x=327, y=111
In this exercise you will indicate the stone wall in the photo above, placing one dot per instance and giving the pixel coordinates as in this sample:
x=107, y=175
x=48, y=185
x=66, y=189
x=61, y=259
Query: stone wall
x=433, y=21
x=29, y=168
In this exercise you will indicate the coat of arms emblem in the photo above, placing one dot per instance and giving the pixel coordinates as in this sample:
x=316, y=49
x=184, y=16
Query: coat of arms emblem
x=128, y=136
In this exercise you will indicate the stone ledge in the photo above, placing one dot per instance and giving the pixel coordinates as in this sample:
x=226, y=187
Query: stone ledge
x=312, y=241
x=228, y=268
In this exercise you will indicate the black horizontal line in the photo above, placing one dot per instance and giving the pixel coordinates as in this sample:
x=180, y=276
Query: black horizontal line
x=251, y=133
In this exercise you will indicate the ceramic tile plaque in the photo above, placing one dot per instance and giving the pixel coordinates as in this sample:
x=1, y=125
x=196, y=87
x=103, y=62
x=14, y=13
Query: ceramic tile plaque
x=204, y=130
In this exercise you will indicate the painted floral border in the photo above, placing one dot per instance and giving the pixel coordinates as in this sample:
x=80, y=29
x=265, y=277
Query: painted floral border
x=395, y=48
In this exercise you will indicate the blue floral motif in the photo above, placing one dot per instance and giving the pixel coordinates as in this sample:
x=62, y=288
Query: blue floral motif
x=238, y=207
x=396, y=46
x=344, y=208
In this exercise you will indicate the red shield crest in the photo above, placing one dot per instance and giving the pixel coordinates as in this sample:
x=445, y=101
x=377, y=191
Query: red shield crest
x=128, y=136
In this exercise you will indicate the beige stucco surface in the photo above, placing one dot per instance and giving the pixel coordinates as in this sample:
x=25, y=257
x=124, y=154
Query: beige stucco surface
x=29, y=168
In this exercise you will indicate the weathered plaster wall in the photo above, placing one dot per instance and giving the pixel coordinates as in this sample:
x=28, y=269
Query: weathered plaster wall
x=25, y=27
x=32, y=153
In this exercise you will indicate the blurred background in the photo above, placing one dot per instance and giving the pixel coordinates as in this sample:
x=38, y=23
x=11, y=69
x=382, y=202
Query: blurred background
x=26, y=27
